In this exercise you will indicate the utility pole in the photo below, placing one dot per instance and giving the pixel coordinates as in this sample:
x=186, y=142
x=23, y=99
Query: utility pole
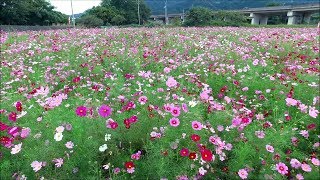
x=166, y=13
x=183, y=15
x=139, y=12
x=73, y=19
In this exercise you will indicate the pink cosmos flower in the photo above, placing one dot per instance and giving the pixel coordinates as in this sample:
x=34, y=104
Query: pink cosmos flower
x=130, y=170
x=105, y=111
x=168, y=107
x=166, y=70
x=171, y=82
x=143, y=100
x=25, y=132
x=243, y=174
x=58, y=162
x=282, y=168
x=69, y=144
x=315, y=161
x=245, y=89
x=215, y=140
x=291, y=102
x=36, y=165
x=43, y=91
x=299, y=177
x=313, y=112
x=303, y=108
x=196, y=125
x=81, y=111
x=306, y=167
x=175, y=111
x=185, y=107
x=136, y=156
x=304, y=133
x=116, y=170
x=269, y=148
x=260, y=134
x=174, y=122
x=295, y=163
x=59, y=129
x=202, y=171
x=220, y=128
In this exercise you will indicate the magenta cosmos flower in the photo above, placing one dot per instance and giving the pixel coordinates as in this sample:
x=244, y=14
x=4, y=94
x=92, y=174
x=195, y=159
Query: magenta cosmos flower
x=184, y=152
x=12, y=116
x=81, y=111
x=196, y=125
x=174, y=122
x=105, y=111
x=282, y=168
x=175, y=111
x=110, y=123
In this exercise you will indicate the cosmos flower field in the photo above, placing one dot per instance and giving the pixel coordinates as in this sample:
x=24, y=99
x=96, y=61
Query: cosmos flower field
x=160, y=103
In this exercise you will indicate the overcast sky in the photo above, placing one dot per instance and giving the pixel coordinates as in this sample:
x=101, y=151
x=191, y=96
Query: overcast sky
x=79, y=6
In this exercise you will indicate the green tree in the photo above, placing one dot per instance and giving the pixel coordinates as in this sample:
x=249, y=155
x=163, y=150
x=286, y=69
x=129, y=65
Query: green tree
x=118, y=20
x=29, y=12
x=90, y=21
x=129, y=9
x=198, y=16
x=105, y=13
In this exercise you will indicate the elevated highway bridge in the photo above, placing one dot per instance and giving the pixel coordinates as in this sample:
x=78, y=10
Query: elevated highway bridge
x=296, y=14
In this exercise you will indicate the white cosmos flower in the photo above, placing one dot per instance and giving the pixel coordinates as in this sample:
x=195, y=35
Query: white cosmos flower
x=192, y=103
x=107, y=137
x=103, y=148
x=16, y=149
x=22, y=114
x=58, y=136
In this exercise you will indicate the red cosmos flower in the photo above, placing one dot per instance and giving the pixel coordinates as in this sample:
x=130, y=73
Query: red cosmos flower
x=4, y=140
x=184, y=152
x=81, y=111
x=126, y=123
x=192, y=155
x=223, y=89
x=76, y=79
x=19, y=106
x=311, y=126
x=129, y=165
x=12, y=116
x=206, y=155
x=195, y=137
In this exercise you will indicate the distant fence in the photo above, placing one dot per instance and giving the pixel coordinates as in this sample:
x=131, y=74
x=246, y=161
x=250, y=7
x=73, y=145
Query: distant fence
x=10, y=28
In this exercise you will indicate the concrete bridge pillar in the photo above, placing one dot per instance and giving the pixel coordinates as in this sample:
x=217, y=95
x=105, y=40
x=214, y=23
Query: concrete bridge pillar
x=306, y=17
x=258, y=19
x=293, y=17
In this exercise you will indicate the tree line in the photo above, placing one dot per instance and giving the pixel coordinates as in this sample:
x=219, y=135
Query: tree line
x=29, y=12
x=116, y=12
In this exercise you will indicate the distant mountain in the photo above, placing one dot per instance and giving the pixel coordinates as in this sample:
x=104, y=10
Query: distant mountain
x=177, y=6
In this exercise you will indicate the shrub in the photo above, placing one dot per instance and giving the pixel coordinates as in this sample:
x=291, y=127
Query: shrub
x=90, y=21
